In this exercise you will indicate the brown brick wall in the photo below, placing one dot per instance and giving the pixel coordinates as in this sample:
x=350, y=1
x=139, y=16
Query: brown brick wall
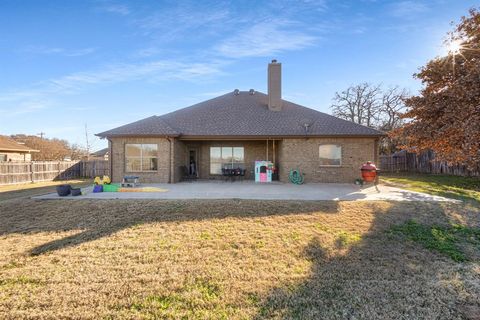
x=162, y=175
x=303, y=154
x=254, y=150
x=180, y=158
x=290, y=153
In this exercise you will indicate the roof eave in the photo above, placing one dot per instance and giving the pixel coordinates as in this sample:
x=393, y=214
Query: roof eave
x=263, y=137
x=101, y=135
x=19, y=150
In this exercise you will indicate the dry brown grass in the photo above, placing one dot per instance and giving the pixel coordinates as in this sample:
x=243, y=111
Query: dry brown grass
x=228, y=259
x=32, y=189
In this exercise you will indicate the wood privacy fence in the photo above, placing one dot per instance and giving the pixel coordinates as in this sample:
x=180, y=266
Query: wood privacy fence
x=36, y=171
x=422, y=163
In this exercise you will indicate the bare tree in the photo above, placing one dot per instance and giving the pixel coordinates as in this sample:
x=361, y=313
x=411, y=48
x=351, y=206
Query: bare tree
x=49, y=149
x=392, y=107
x=359, y=103
x=77, y=152
x=372, y=106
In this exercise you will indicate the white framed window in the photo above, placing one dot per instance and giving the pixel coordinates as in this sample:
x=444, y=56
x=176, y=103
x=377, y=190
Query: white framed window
x=226, y=158
x=141, y=157
x=330, y=155
x=3, y=157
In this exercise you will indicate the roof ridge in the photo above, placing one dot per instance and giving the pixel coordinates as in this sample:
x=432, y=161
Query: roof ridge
x=192, y=106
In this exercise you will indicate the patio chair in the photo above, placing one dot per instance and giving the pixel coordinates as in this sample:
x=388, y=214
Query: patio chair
x=228, y=174
x=242, y=174
x=225, y=174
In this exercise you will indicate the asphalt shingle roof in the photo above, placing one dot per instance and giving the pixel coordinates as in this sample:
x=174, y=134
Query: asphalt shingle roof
x=8, y=144
x=242, y=115
x=100, y=153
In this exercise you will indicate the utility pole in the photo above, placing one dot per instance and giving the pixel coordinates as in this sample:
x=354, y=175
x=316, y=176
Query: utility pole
x=41, y=134
x=87, y=143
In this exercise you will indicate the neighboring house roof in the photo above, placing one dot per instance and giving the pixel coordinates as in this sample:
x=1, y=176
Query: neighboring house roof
x=100, y=153
x=8, y=144
x=246, y=115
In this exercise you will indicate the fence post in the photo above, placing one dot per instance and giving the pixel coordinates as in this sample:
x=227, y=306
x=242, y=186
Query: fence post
x=32, y=175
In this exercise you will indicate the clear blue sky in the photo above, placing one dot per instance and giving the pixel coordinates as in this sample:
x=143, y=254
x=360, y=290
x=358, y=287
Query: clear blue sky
x=107, y=63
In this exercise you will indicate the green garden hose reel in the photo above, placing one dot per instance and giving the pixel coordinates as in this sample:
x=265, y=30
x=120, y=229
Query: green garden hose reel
x=295, y=176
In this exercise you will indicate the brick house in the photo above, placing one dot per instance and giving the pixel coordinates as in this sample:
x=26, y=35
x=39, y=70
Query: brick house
x=234, y=130
x=11, y=150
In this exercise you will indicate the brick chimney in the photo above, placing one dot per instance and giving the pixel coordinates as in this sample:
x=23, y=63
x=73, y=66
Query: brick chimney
x=274, y=86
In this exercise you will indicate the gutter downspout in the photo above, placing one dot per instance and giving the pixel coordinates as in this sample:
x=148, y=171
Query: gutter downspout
x=170, y=154
x=267, y=149
x=110, y=156
x=273, y=142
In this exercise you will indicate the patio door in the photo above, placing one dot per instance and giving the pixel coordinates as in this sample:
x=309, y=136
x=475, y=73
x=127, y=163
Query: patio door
x=192, y=162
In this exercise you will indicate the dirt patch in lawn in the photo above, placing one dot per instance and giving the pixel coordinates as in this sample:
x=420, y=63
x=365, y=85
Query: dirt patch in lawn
x=230, y=259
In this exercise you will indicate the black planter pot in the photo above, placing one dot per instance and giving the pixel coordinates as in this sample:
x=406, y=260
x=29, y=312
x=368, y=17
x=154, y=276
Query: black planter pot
x=76, y=192
x=64, y=190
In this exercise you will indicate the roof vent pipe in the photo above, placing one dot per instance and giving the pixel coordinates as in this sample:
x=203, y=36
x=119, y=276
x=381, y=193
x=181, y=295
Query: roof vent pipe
x=236, y=92
x=252, y=92
x=274, y=86
x=307, y=127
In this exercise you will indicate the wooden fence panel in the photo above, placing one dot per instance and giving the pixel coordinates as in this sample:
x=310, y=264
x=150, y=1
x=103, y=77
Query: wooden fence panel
x=15, y=172
x=95, y=168
x=37, y=171
x=422, y=163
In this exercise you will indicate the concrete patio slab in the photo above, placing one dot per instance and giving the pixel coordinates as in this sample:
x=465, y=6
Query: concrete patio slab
x=257, y=191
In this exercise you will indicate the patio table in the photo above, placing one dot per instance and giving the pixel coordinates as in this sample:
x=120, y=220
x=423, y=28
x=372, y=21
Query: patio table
x=232, y=174
x=130, y=181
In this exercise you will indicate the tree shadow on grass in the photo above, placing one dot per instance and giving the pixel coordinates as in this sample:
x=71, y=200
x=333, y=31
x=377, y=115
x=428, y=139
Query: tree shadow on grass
x=381, y=276
x=96, y=219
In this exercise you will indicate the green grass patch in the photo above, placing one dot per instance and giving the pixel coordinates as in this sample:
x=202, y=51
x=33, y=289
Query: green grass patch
x=205, y=236
x=200, y=294
x=344, y=238
x=455, y=187
x=449, y=240
x=21, y=280
x=155, y=302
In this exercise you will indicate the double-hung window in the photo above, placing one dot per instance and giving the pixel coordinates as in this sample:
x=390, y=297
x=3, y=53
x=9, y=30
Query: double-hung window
x=226, y=158
x=141, y=157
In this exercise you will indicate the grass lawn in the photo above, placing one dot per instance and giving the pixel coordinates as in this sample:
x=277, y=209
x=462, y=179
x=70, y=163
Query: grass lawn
x=462, y=188
x=37, y=188
x=232, y=259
